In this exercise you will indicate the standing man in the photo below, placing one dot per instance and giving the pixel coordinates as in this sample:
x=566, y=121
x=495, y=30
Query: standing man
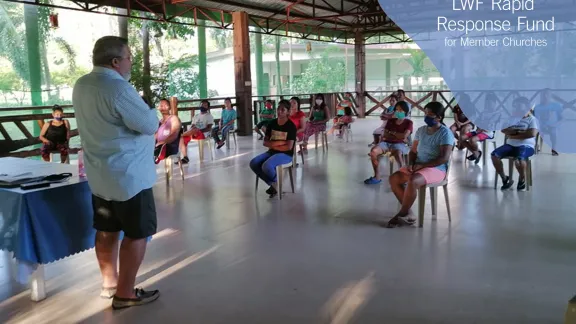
x=117, y=131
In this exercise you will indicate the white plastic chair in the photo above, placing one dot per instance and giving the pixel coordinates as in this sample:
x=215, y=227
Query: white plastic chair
x=168, y=166
x=280, y=175
x=434, y=198
x=324, y=136
x=233, y=133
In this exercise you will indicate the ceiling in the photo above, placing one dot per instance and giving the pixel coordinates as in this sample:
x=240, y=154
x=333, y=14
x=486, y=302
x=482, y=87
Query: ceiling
x=322, y=20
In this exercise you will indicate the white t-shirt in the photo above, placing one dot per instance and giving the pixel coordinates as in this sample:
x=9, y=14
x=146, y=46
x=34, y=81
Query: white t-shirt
x=524, y=124
x=202, y=120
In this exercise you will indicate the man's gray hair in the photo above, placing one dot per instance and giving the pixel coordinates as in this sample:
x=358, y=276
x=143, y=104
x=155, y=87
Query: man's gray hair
x=108, y=48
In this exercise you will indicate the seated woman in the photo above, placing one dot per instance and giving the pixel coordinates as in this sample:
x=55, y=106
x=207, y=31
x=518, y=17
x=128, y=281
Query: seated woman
x=346, y=102
x=225, y=124
x=55, y=135
x=427, y=162
x=200, y=128
x=470, y=141
x=266, y=115
x=280, y=139
x=319, y=116
x=461, y=124
x=168, y=134
x=297, y=117
x=395, y=135
x=386, y=115
x=342, y=121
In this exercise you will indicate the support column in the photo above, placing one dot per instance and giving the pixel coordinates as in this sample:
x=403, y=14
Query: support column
x=260, y=85
x=34, y=63
x=202, y=74
x=243, y=79
x=388, y=72
x=360, y=61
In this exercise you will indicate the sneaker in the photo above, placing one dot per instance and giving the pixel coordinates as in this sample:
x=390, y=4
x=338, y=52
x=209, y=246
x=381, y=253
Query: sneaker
x=507, y=183
x=220, y=145
x=521, y=185
x=554, y=153
x=272, y=192
x=142, y=298
x=107, y=292
x=260, y=137
x=185, y=160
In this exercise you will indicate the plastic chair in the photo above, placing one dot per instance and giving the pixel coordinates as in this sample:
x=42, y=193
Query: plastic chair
x=324, y=136
x=280, y=176
x=233, y=133
x=300, y=145
x=529, y=182
x=208, y=140
x=434, y=198
x=67, y=161
x=168, y=166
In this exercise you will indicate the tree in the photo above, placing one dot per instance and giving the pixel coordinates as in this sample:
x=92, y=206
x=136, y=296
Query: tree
x=416, y=60
x=324, y=74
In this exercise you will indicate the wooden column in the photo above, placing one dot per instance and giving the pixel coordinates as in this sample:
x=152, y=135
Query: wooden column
x=360, y=59
x=243, y=79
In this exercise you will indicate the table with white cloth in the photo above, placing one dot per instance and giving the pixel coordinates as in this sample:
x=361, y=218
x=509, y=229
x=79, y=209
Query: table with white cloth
x=44, y=225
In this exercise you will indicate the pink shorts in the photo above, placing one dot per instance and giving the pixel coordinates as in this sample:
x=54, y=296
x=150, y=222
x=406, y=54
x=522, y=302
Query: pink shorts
x=431, y=175
x=481, y=136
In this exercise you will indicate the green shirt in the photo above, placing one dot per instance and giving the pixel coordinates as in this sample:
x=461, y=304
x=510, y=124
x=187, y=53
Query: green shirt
x=266, y=112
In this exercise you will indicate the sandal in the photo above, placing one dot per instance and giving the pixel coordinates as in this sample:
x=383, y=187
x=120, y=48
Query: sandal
x=372, y=180
x=107, y=292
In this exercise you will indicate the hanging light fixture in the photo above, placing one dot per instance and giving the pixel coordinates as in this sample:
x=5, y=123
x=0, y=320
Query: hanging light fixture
x=54, y=20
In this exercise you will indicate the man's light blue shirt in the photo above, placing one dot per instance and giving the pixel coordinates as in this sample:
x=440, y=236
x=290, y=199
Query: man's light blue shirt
x=117, y=132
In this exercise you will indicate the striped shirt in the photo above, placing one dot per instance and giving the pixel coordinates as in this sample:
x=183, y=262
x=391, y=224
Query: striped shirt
x=117, y=132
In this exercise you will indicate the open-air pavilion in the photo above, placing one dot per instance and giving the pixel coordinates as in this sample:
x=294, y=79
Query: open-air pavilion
x=227, y=254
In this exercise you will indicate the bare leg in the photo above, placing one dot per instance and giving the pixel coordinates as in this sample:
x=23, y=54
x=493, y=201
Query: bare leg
x=183, y=150
x=397, y=181
x=375, y=153
x=499, y=167
x=415, y=182
x=398, y=157
x=521, y=167
x=131, y=255
x=107, y=255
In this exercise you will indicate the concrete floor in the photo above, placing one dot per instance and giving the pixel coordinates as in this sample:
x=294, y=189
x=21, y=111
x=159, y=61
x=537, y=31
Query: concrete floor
x=227, y=255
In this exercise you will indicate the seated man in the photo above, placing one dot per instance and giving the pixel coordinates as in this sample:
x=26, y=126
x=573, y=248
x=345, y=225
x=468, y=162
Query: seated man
x=395, y=135
x=520, y=142
x=387, y=114
x=168, y=134
x=200, y=128
x=427, y=162
x=280, y=140
x=55, y=135
x=225, y=124
x=470, y=141
x=266, y=115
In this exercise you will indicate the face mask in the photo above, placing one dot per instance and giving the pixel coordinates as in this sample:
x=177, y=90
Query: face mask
x=319, y=101
x=203, y=110
x=400, y=114
x=268, y=106
x=430, y=121
x=344, y=104
x=58, y=118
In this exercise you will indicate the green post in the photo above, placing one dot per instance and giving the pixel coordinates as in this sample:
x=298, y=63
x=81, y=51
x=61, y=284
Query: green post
x=260, y=85
x=278, y=70
x=34, y=61
x=202, y=74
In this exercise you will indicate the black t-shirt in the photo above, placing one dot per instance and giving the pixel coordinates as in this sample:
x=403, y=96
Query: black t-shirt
x=286, y=132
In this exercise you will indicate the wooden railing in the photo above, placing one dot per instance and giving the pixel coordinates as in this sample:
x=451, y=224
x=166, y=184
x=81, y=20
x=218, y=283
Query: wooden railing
x=19, y=126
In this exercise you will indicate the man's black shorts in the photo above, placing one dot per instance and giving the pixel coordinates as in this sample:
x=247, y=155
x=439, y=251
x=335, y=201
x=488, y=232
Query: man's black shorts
x=136, y=217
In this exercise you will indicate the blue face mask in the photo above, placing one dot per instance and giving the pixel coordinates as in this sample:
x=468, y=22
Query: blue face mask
x=203, y=110
x=430, y=121
x=58, y=118
x=400, y=114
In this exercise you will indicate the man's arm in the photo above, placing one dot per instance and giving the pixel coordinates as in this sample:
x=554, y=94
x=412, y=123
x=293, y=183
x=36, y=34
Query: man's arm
x=525, y=134
x=135, y=114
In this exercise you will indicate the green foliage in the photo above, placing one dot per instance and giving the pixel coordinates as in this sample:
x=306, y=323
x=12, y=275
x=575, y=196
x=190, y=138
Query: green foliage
x=67, y=79
x=222, y=37
x=416, y=60
x=324, y=74
x=10, y=81
x=183, y=80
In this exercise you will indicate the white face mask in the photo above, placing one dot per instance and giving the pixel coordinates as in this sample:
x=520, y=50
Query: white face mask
x=319, y=102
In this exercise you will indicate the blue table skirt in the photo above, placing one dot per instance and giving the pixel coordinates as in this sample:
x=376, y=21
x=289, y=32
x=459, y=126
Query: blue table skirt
x=47, y=225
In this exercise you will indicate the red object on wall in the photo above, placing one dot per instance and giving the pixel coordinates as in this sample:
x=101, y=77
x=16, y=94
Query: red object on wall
x=54, y=20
